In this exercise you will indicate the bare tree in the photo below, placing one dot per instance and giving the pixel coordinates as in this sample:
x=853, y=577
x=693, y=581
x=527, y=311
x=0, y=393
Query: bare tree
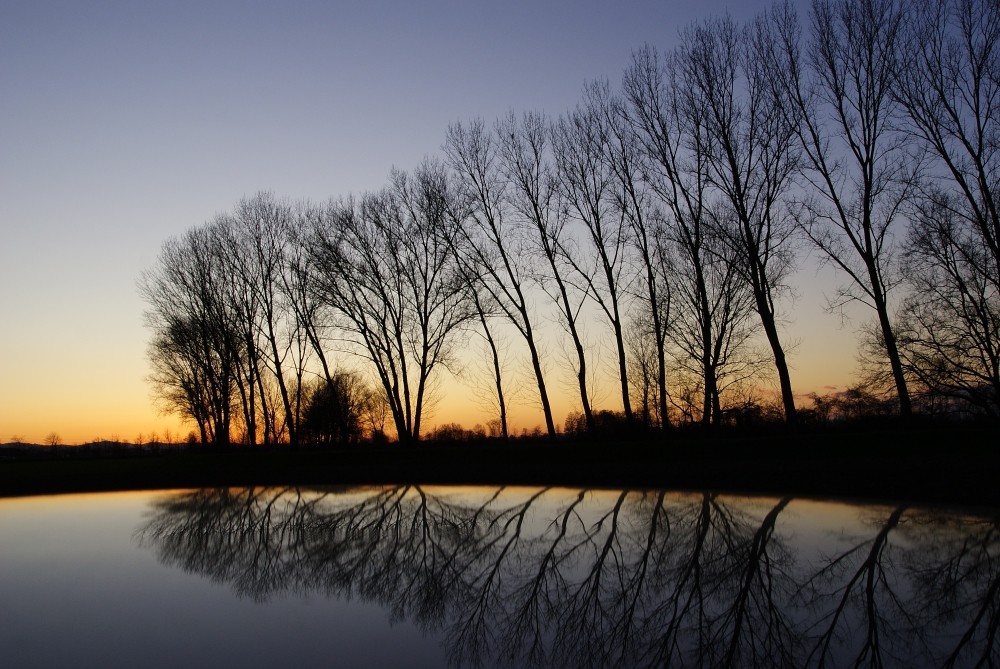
x=950, y=336
x=950, y=90
x=494, y=242
x=839, y=97
x=486, y=311
x=253, y=248
x=581, y=143
x=388, y=269
x=635, y=200
x=710, y=305
x=750, y=158
x=196, y=350
x=298, y=285
x=533, y=194
x=240, y=306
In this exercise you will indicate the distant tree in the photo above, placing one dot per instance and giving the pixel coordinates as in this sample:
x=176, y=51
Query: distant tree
x=336, y=410
x=450, y=432
x=856, y=403
x=53, y=439
x=643, y=354
x=485, y=315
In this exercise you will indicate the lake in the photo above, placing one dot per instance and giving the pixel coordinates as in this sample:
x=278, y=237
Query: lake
x=415, y=576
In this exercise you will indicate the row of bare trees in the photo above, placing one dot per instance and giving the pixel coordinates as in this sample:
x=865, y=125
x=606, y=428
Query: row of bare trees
x=236, y=334
x=667, y=214
x=250, y=311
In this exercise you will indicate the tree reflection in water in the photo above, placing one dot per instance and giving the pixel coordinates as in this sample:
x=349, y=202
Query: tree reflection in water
x=552, y=577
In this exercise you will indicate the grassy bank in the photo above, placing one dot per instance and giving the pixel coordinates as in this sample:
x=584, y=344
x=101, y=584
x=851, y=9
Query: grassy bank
x=934, y=465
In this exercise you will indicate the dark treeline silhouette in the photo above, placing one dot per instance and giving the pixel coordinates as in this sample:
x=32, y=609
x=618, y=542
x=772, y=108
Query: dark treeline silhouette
x=561, y=577
x=667, y=213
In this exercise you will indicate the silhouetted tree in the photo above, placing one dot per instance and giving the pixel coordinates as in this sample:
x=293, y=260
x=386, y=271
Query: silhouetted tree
x=709, y=325
x=336, y=409
x=253, y=246
x=497, y=366
x=950, y=90
x=635, y=201
x=196, y=349
x=838, y=90
x=524, y=149
x=950, y=333
x=386, y=266
x=496, y=242
x=750, y=158
x=581, y=141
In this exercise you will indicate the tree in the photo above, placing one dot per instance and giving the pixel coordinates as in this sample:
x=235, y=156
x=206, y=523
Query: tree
x=839, y=98
x=386, y=266
x=253, y=243
x=634, y=199
x=708, y=322
x=485, y=315
x=950, y=91
x=534, y=195
x=950, y=339
x=336, y=409
x=196, y=349
x=495, y=246
x=261, y=238
x=750, y=158
x=581, y=143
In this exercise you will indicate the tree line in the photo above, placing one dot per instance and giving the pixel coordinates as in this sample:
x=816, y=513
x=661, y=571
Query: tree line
x=668, y=211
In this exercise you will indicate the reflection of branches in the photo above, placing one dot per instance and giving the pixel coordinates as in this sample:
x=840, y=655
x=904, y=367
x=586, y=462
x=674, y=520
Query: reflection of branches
x=867, y=577
x=590, y=605
x=547, y=577
x=719, y=575
x=957, y=574
x=758, y=625
x=473, y=639
x=235, y=537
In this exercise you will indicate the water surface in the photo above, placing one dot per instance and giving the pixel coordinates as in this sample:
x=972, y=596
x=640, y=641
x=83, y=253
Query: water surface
x=417, y=576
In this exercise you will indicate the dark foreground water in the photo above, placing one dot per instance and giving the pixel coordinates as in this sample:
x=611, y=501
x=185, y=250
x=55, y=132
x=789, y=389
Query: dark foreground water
x=411, y=577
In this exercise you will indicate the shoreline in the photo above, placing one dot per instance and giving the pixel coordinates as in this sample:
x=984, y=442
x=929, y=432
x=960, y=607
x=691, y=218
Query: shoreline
x=939, y=465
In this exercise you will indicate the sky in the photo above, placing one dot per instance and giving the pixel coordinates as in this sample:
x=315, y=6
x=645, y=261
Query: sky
x=123, y=124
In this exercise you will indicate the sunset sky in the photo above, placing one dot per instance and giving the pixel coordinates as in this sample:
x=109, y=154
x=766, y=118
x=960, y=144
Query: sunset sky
x=123, y=124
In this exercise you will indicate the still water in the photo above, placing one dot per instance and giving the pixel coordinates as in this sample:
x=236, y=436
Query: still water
x=425, y=577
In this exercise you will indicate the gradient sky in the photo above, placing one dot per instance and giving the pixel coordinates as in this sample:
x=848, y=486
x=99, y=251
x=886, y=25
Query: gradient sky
x=123, y=124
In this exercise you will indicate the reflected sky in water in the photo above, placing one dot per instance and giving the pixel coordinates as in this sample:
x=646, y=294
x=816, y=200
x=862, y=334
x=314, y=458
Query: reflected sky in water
x=429, y=576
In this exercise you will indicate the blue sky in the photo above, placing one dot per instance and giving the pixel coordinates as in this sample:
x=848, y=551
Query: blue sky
x=125, y=123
